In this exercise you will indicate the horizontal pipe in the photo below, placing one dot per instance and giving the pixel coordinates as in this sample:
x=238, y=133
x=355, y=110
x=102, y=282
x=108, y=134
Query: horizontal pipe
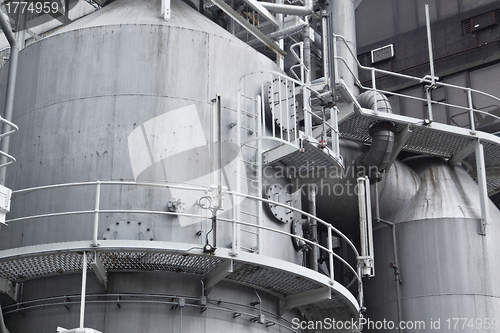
x=280, y=33
x=289, y=9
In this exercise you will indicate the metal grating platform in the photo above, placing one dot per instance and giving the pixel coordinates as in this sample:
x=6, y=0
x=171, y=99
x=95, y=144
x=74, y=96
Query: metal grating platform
x=276, y=282
x=335, y=308
x=434, y=139
x=277, y=277
x=306, y=160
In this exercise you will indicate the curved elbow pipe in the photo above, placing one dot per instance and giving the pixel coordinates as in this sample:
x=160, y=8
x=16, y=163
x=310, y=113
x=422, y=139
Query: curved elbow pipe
x=383, y=133
x=289, y=9
x=380, y=153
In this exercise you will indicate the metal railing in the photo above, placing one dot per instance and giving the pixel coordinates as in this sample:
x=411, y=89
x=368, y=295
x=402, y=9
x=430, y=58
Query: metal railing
x=232, y=221
x=13, y=129
x=271, y=112
x=431, y=83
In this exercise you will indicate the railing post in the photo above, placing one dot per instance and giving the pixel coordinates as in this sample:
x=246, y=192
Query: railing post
x=234, y=239
x=429, y=103
x=335, y=60
x=96, y=212
x=330, y=254
x=471, y=112
x=374, y=90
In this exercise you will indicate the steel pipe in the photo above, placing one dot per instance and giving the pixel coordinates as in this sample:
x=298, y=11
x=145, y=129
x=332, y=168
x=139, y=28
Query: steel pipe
x=11, y=88
x=289, y=9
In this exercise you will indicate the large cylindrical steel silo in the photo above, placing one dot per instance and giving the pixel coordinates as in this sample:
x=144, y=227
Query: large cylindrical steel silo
x=110, y=108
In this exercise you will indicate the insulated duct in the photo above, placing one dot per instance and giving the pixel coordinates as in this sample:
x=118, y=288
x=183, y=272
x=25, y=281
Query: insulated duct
x=383, y=134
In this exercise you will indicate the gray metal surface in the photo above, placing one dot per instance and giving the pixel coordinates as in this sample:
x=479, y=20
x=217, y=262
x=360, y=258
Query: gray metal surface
x=98, y=112
x=447, y=268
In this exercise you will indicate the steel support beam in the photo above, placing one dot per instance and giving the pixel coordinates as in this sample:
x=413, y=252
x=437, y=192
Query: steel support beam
x=461, y=155
x=304, y=298
x=400, y=141
x=10, y=289
x=100, y=271
x=250, y=28
x=218, y=274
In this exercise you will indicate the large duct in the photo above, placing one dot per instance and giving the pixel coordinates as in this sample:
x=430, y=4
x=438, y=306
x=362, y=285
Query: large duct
x=378, y=157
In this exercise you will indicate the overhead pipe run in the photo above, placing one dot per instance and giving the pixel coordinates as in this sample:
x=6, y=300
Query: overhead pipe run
x=280, y=33
x=11, y=87
x=307, y=9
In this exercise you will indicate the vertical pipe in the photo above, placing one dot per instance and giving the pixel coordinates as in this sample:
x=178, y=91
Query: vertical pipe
x=84, y=289
x=362, y=215
x=280, y=60
x=21, y=29
x=307, y=64
x=96, y=212
x=219, y=149
x=343, y=23
x=326, y=53
x=429, y=43
x=395, y=265
x=369, y=230
x=314, y=227
x=11, y=88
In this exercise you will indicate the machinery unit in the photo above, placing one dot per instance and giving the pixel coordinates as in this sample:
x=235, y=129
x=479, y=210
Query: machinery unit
x=207, y=166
